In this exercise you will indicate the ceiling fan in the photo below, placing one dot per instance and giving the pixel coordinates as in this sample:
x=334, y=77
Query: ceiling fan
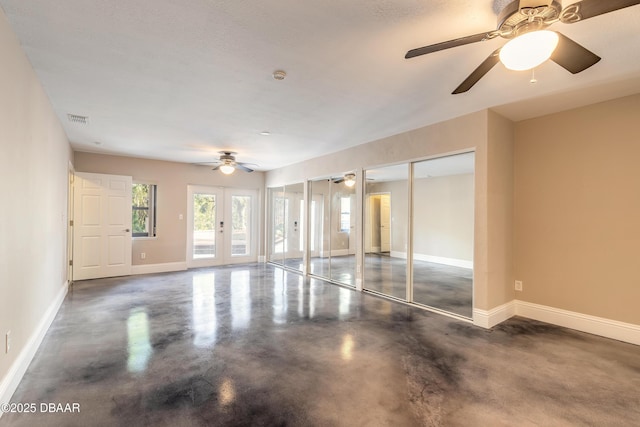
x=227, y=163
x=524, y=23
x=349, y=179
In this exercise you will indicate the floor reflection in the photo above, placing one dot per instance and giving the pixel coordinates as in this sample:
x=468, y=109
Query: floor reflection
x=280, y=302
x=204, y=309
x=347, y=347
x=240, y=299
x=139, y=345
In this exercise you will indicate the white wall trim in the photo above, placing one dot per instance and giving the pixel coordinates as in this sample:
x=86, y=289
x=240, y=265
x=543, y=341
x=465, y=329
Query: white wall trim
x=13, y=377
x=158, y=268
x=262, y=258
x=436, y=259
x=488, y=319
x=614, y=329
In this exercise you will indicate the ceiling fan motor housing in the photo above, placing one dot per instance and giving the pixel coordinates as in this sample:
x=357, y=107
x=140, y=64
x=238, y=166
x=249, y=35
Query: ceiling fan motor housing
x=514, y=21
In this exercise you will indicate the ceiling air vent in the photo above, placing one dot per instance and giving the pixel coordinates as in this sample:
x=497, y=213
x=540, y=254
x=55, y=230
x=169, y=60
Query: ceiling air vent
x=74, y=118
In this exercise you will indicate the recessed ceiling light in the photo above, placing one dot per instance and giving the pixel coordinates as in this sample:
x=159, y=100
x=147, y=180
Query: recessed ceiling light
x=265, y=133
x=279, y=75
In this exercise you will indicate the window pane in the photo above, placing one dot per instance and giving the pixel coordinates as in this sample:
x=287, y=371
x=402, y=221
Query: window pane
x=204, y=220
x=345, y=214
x=142, y=220
x=240, y=213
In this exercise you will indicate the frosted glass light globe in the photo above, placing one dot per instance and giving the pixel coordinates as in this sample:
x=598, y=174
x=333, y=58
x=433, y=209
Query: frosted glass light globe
x=529, y=50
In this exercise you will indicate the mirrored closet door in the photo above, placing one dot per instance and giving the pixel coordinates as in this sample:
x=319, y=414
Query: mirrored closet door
x=443, y=230
x=385, y=230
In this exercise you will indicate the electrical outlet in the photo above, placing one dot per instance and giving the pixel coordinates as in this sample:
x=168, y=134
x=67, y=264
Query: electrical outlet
x=518, y=285
x=143, y=255
x=7, y=342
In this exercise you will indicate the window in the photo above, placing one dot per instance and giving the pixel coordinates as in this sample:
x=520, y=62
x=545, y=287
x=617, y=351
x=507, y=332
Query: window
x=144, y=210
x=345, y=214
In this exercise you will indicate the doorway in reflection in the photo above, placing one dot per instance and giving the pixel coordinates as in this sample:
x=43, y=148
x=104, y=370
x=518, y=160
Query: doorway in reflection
x=385, y=230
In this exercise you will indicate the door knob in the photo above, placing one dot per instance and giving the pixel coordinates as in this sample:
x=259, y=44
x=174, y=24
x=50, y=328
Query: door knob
x=126, y=230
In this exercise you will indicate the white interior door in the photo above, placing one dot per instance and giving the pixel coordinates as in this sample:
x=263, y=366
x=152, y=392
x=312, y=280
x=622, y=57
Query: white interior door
x=385, y=223
x=102, y=226
x=221, y=226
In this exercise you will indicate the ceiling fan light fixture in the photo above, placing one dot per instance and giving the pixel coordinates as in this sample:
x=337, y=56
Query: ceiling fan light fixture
x=349, y=180
x=529, y=50
x=227, y=169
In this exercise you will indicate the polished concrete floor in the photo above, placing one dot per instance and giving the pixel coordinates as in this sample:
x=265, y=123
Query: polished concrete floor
x=256, y=345
x=440, y=286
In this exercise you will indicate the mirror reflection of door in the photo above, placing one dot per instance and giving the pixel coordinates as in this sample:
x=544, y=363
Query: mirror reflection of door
x=332, y=237
x=277, y=215
x=294, y=237
x=385, y=223
x=319, y=223
x=385, y=231
x=378, y=237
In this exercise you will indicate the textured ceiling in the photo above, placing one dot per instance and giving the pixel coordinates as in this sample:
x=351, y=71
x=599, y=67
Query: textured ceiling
x=180, y=80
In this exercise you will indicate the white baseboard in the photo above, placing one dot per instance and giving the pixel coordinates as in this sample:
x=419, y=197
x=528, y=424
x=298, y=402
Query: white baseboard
x=262, y=258
x=158, y=268
x=10, y=382
x=436, y=259
x=488, y=319
x=620, y=331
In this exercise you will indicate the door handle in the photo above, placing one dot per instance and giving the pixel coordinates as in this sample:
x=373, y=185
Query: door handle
x=127, y=230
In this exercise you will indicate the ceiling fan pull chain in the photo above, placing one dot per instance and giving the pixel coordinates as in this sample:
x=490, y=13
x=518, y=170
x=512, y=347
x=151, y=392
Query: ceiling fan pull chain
x=533, y=76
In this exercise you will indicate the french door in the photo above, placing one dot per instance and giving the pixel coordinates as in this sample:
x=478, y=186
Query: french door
x=221, y=226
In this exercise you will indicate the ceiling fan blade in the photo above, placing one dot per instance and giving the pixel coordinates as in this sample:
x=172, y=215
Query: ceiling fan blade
x=243, y=167
x=445, y=45
x=586, y=9
x=215, y=168
x=572, y=56
x=478, y=73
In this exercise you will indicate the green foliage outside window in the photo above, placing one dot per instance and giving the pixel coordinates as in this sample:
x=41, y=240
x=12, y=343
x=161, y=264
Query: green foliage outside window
x=204, y=208
x=143, y=207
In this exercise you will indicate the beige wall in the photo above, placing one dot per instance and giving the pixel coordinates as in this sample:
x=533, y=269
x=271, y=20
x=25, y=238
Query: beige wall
x=34, y=165
x=172, y=179
x=577, y=209
x=443, y=217
x=496, y=193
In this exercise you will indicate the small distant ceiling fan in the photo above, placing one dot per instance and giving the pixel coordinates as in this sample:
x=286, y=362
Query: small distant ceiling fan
x=524, y=23
x=227, y=163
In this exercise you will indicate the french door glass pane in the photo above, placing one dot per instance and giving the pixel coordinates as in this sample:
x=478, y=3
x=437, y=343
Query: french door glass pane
x=204, y=230
x=240, y=233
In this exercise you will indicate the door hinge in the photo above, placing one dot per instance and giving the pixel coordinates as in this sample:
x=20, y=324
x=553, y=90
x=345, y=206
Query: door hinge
x=70, y=263
x=71, y=222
